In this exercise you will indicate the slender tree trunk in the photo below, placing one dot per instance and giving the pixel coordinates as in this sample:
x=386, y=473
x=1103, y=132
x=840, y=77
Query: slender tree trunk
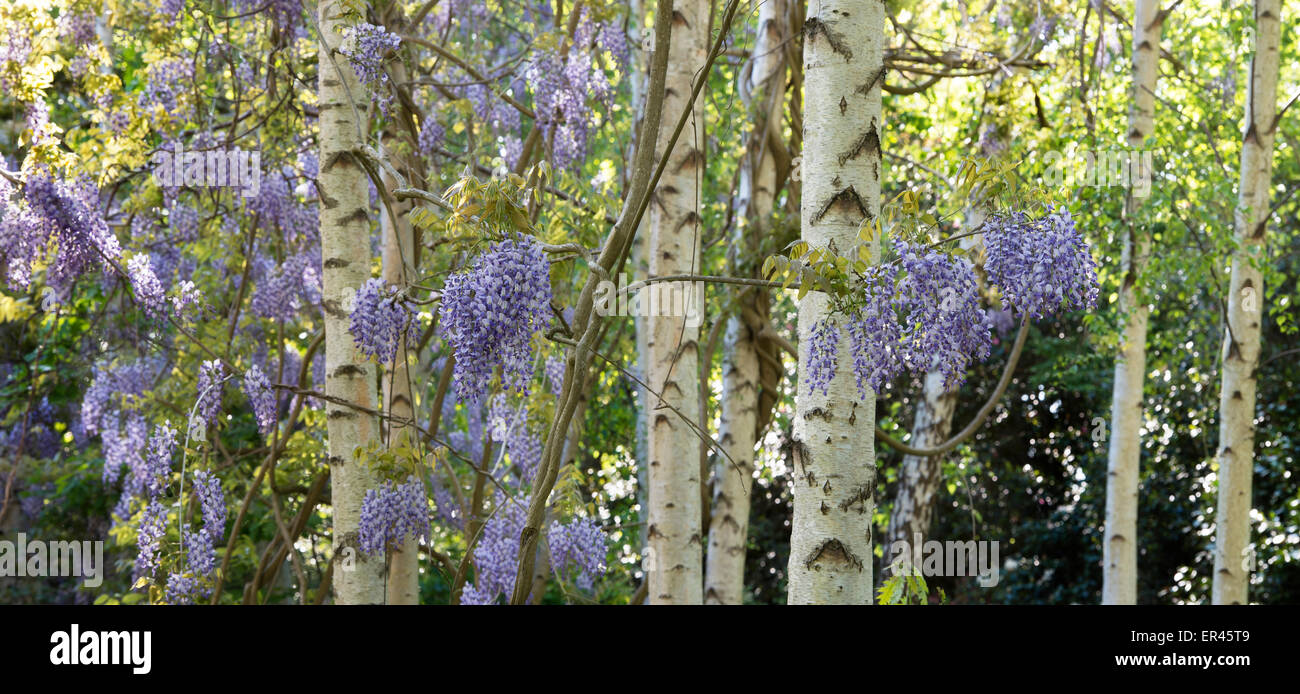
x=918, y=483
x=637, y=260
x=834, y=476
x=398, y=268
x=738, y=423
x=345, y=254
x=674, y=531
x=1241, y=344
x=1119, y=574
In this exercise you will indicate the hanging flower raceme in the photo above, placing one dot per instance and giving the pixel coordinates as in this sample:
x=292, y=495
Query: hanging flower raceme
x=944, y=328
x=67, y=211
x=149, y=537
x=258, y=390
x=921, y=311
x=367, y=46
x=379, y=317
x=392, y=513
x=211, y=375
x=207, y=487
x=497, y=553
x=555, y=367
x=1042, y=266
x=577, y=551
x=491, y=312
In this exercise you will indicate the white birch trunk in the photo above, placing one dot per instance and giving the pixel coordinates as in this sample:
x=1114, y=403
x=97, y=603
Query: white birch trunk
x=834, y=476
x=733, y=479
x=345, y=254
x=919, y=480
x=1119, y=549
x=398, y=256
x=1245, y=301
x=674, y=532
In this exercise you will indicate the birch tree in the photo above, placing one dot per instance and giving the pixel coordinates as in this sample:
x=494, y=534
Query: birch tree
x=1245, y=306
x=1119, y=574
x=398, y=255
x=738, y=422
x=834, y=474
x=345, y=254
x=674, y=530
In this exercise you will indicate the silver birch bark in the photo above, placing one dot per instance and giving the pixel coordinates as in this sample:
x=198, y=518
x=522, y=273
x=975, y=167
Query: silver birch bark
x=1119, y=550
x=733, y=479
x=674, y=532
x=1241, y=343
x=834, y=476
x=920, y=476
x=345, y=255
x=398, y=256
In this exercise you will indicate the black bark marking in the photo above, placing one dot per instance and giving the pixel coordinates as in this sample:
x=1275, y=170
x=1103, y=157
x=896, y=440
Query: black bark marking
x=690, y=219
x=847, y=197
x=862, y=497
x=869, y=142
x=866, y=87
x=844, y=105
x=692, y=158
x=348, y=370
x=818, y=412
x=336, y=263
x=333, y=310
x=333, y=159
x=833, y=551
x=814, y=26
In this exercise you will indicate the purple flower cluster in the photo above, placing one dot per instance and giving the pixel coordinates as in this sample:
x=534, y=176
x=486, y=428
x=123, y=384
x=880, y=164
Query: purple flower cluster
x=211, y=377
x=392, y=513
x=65, y=210
x=167, y=81
x=367, y=47
x=148, y=290
x=555, y=367
x=182, y=587
x=823, y=348
x=207, y=487
x=158, y=461
x=1042, y=266
x=874, y=332
x=283, y=290
x=525, y=449
x=564, y=88
x=278, y=207
x=379, y=318
x=497, y=553
x=149, y=537
x=491, y=312
x=432, y=135
x=577, y=551
x=199, y=550
x=77, y=27
x=123, y=447
x=944, y=328
x=286, y=15
x=260, y=396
